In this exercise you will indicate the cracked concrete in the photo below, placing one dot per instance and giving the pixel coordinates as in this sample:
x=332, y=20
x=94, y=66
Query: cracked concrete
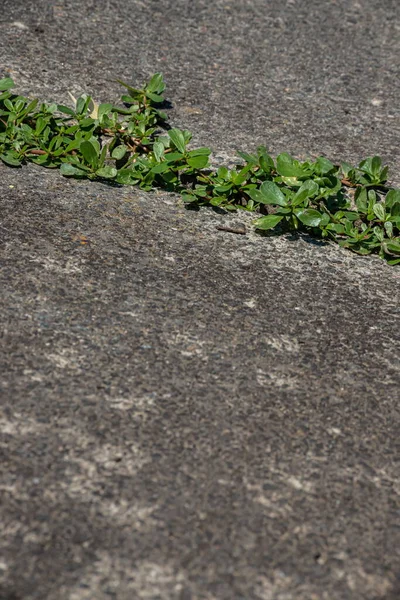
x=187, y=414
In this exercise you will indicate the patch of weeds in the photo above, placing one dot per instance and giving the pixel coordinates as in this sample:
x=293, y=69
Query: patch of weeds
x=133, y=144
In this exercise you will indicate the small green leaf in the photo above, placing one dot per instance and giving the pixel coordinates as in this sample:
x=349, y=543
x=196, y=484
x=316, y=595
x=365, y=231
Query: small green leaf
x=127, y=177
x=156, y=84
x=217, y=200
x=347, y=170
x=178, y=139
x=198, y=162
x=6, y=84
x=288, y=167
x=379, y=211
x=104, y=109
x=270, y=194
x=351, y=215
x=336, y=227
x=268, y=222
x=266, y=161
x=9, y=105
x=376, y=164
x=324, y=166
x=325, y=220
x=221, y=189
x=156, y=98
x=119, y=152
x=379, y=232
x=173, y=157
x=107, y=172
x=198, y=159
x=200, y=152
x=308, y=189
x=388, y=228
x=82, y=104
x=309, y=217
x=89, y=153
x=392, y=247
x=10, y=159
x=248, y=158
x=69, y=170
x=188, y=198
x=158, y=150
x=66, y=110
x=361, y=199
x=392, y=198
x=160, y=168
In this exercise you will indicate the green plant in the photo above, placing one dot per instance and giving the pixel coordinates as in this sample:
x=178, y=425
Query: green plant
x=132, y=144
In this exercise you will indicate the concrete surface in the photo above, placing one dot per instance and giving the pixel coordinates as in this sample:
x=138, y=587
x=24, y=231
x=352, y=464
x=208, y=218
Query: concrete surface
x=187, y=414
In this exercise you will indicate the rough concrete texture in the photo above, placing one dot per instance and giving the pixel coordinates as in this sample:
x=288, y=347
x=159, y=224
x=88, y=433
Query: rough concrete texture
x=187, y=414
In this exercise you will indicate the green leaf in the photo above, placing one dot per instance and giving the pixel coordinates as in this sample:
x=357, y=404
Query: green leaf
x=217, y=200
x=10, y=159
x=223, y=173
x=102, y=157
x=309, y=217
x=325, y=220
x=6, y=84
x=128, y=100
x=104, y=109
x=221, y=189
x=9, y=105
x=173, y=157
x=158, y=150
x=324, y=166
x=361, y=199
x=69, y=170
x=266, y=161
x=248, y=158
x=307, y=189
x=160, y=168
x=269, y=193
x=376, y=164
x=133, y=91
x=347, y=170
x=156, y=84
x=388, y=228
x=127, y=177
x=268, y=222
x=379, y=232
x=392, y=247
x=178, y=139
x=336, y=227
x=66, y=110
x=379, y=211
x=198, y=162
x=351, y=215
x=107, y=172
x=200, y=152
x=156, y=98
x=392, y=198
x=89, y=153
x=198, y=159
x=188, y=198
x=288, y=167
x=119, y=152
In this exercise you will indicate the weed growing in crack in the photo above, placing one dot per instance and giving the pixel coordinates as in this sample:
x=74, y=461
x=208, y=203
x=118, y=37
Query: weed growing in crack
x=133, y=144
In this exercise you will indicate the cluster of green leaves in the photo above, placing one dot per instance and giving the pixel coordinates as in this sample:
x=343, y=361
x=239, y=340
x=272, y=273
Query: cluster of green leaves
x=132, y=144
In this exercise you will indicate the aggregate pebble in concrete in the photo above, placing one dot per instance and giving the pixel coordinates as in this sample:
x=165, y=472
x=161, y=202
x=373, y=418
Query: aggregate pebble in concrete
x=187, y=413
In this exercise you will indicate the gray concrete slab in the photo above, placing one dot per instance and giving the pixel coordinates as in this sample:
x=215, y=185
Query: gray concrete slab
x=186, y=413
